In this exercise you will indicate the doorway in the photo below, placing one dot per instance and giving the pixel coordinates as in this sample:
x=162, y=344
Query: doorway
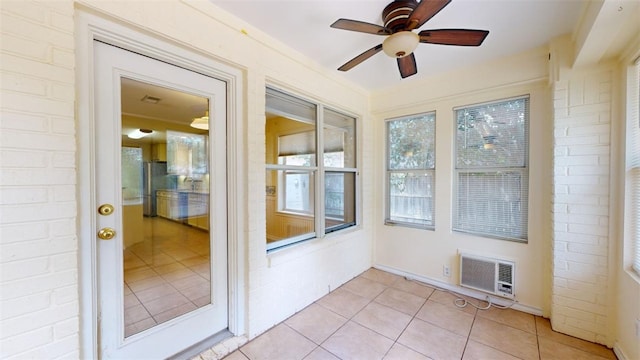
x=161, y=191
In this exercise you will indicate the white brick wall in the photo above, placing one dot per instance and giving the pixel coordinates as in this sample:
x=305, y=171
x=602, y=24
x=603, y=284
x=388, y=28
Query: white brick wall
x=39, y=308
x=581, y=274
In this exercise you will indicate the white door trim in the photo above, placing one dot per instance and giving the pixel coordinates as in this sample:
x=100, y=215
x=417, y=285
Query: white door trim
x=90, y=27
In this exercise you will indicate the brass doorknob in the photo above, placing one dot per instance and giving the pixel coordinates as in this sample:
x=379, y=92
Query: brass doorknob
x=105, y=209
x=106, y=233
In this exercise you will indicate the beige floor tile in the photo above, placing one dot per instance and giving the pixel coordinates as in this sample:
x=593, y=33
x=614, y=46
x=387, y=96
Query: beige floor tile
x=354, y=341
x=281, y=342
x=447, y=298
x=139, y=274
x=513, y=318
x=202, y=301
x=159, y=259
x=190, y=281
x=401, y=301
x=316, y=322
x=364, y=287
x=477, y=351
x=510, y=340
x=198, y=260
x=551, y=350
x=543, y=327
x=174, y=312
x=169, y=267
x=140, y=326
x=135, y=314
x=130, y=300
x=155, y=292
x=413, y=287
x=429, y=339
x=343, y=302
x=146, y=283
x=380, y=276
x=401, y=352
x=447, y=316
x=236, y=355
x=383, y=320
x=320, y=354
x=165, y=303
x=178, y=274
x=196, y=292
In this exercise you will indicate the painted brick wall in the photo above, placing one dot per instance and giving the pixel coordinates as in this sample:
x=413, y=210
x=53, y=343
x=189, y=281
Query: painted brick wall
x=38, y=247
x=581, y=274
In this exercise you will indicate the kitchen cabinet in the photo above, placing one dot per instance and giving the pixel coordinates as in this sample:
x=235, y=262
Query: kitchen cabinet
x=187, y=153
x=159, y=152
x=198, y=210
x=168, y=206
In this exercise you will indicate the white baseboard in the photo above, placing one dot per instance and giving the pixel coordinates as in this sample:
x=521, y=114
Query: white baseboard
x=619, y=353
x=463, y=291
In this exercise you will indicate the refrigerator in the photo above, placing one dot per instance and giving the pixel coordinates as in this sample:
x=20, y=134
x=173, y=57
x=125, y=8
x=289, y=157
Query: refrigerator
x=154, y=177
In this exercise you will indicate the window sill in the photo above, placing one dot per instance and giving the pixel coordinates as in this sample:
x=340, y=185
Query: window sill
x=633, y=274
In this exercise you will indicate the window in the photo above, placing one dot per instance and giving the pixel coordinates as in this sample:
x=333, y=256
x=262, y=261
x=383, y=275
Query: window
x=632, y=178
x=411, y=170
x=304, y=165
x=491, y=189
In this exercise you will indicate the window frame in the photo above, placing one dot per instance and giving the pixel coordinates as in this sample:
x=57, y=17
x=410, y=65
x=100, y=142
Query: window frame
x=632, y=172
x=317, y=200
x=495, y=170
x=426, y=225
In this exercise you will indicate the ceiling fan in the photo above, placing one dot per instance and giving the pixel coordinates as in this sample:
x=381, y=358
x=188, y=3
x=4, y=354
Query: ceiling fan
x=400, y=18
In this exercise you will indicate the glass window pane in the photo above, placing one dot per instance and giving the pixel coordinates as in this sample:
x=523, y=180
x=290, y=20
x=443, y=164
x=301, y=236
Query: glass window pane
x=339, y=202
x=492, y=135
x=411, y=142
x=492, y=203
x=411, y=197
x=290, y=206
x=339, y=140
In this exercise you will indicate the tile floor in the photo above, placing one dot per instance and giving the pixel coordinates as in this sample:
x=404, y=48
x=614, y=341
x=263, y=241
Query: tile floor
x=379, y=315
x=166, y=275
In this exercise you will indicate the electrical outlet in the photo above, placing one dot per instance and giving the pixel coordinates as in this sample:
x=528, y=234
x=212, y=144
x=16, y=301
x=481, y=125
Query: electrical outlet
x=446, y=271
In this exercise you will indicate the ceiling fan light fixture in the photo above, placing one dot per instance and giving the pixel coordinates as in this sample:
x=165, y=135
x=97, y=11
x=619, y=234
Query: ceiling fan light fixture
x=201, y=123
x=139, y=133
x=400, y=44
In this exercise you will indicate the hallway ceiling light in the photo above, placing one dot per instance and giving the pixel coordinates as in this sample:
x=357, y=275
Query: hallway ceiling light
x=201, y=123
x=139, y=133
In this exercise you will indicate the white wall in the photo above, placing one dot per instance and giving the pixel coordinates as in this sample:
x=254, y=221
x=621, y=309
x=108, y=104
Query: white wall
x=423, y=253
x=40, y=238
x=581, y=246
x=38, y=245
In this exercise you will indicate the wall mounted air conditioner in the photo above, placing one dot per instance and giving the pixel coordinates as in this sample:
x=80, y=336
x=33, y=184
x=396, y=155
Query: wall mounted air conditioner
x=487, y=274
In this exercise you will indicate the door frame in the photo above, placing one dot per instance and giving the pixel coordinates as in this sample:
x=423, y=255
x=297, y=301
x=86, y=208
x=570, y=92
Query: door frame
x=90, y=27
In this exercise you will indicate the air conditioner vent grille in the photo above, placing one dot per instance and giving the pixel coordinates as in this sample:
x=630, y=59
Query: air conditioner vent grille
x=487, y=274
x=479, y=274
x=505, y=273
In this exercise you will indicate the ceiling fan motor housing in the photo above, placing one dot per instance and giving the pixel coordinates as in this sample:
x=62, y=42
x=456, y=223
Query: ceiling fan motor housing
x=396, y=13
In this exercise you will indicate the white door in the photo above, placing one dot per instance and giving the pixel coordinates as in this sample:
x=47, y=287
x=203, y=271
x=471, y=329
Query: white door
x=162, y=245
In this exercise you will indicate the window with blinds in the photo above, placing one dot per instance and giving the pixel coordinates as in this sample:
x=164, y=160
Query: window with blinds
x=632, y=187
x=411, y=171
x=491, y=166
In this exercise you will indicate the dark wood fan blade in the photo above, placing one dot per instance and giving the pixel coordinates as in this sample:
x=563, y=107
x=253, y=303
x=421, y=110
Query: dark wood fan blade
x=460, y=37
x=407, y=66
x=425, y=10
x=360, y=26
x=360, y=58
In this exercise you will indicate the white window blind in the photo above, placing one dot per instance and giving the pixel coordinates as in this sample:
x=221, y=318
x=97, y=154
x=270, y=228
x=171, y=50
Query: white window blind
x=633, y=164
x=491, y=187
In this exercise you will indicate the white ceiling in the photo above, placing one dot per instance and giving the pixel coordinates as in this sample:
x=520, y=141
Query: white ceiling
x=303, y=25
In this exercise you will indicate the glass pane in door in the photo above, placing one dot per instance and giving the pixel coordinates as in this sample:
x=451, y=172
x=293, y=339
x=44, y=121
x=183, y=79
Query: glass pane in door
x=165, y=204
